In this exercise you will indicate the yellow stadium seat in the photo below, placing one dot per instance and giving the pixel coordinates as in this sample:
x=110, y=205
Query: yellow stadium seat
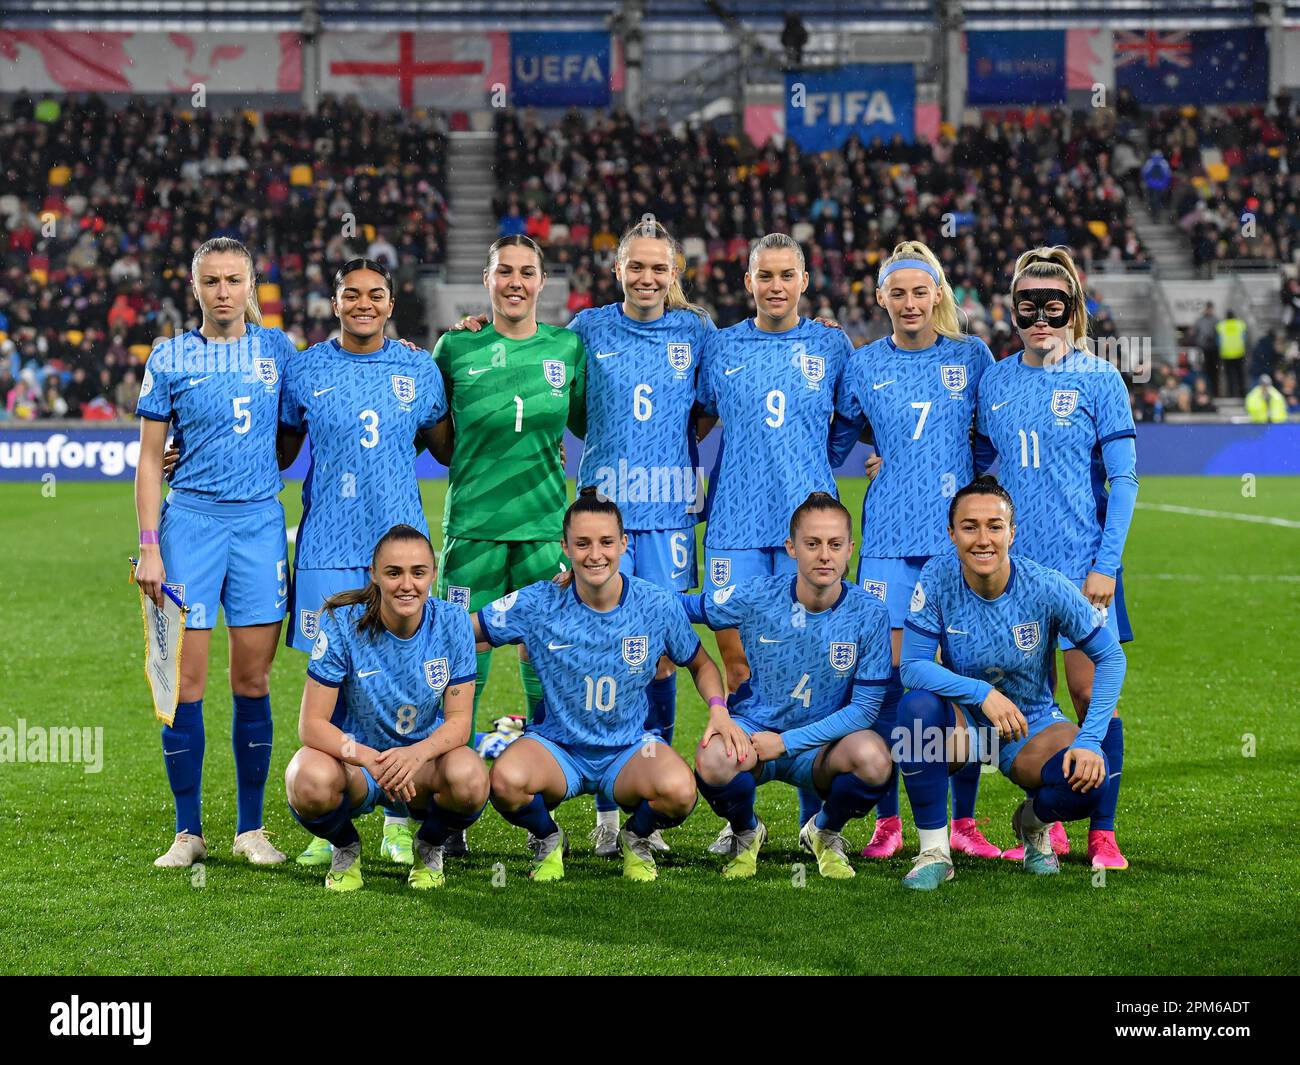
x=60, y=175
x=1217, y=171
x=268, y=292
x=40, y=276
x=253, y=117
x=272, y=321
x=300, y=175
x=368, y=230
x=74, y=336
x=1098, y=228
x=139, y=352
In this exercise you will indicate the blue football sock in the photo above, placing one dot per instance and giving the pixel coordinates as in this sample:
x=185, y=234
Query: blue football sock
x=965, y=785
x=850, y=797
x=335, y=826
x=439, y=822
x=734, y=801
x=888, y=804
x=1057, y=801
x=810, y=804
x=1112, y=746
x=604, y=805
x=251, y=740
x=182, y=745
x=535, y=817
x=646, y=819
x=663, y=707
x=926, y=780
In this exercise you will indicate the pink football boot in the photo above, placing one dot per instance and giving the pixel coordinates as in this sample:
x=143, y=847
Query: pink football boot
x=1103, y=851
x=886, y=840
x=965, y=837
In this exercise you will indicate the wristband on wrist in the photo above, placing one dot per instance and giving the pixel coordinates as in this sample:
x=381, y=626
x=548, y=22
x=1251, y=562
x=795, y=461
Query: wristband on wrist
x=718, y=701
x=148, y=536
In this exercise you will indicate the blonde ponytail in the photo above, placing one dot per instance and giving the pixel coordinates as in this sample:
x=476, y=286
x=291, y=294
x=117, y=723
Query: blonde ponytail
x=1055, y=262
x=944, y=318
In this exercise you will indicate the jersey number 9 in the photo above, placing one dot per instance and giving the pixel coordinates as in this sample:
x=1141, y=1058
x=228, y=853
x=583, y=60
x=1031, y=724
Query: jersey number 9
x=776, y=408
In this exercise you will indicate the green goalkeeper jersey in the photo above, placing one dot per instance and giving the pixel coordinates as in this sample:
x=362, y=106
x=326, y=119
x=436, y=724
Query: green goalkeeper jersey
x=510, y=401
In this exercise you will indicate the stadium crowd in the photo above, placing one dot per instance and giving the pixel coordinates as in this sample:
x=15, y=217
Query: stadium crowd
x=102, y=208
x=998, y=189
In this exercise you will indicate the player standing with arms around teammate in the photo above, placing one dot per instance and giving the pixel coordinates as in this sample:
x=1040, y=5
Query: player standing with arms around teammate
x=596, y=641
x=642, y=360
x=819, y=650
x=221, y=534
x=915, y=393
x=400, y=667
x=512, y=388
x=771, y=380
x=363, y=399
x=1060, y=421
x=996, y=618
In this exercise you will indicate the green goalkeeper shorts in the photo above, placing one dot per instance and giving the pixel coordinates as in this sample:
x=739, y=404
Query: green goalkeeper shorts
x=475, y=572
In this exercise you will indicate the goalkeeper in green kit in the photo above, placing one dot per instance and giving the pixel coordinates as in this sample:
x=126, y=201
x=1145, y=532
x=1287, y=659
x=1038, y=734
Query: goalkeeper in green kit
x=512, y=387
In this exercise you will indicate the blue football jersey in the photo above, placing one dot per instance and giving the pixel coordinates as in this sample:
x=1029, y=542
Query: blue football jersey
x=392, y=688
x=361, y=414
x=1048, y=425
x=920, y=406
x=222, y=399
x=803, y=665
x=1009, y=642
x=641, y=383
x=775, y=394
x=594, y=667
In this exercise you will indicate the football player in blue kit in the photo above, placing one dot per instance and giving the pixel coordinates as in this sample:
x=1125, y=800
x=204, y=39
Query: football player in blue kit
x=1060, y=422
x=819, y=654
x=595, y=642
x=386, y=712
x=914, y=392
x=363, y=399
x=996, y=616
x=771, y=381
x=219, y=538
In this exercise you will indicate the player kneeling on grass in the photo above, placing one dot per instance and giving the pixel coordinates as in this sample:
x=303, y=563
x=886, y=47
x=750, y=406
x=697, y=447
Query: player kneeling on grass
x=997, y=619
x=404, y=664
x=819, y=654
x=595, y=642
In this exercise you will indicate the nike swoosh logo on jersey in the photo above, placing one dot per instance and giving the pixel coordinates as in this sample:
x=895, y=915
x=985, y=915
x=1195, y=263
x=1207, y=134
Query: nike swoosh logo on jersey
x=281, y=602
x=606, y=354
x=198, y=380
x=322, y=391
x=734, y=369
x=679, y=573
x=368, y=672
x=958, y=632
x=999, y=406
x=764, y=639
x=557, y=646
x=882, y=384
x=475, y=373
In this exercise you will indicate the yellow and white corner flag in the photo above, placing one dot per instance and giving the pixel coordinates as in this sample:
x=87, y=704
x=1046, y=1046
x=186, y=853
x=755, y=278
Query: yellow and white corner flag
x=164, y=632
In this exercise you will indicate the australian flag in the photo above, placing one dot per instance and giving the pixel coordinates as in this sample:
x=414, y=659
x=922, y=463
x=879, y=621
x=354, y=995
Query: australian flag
x=1196, y=67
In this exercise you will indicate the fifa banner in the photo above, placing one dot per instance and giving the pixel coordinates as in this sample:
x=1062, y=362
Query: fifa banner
x=1193, y=67
x=560, y=69
x=1026, y=67
x=52, y=61
x=824, y=108
x=392, y=70
x=164, y=635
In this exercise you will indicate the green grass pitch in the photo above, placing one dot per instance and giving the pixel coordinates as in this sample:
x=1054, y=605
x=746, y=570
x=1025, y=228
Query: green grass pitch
x=1207, y=816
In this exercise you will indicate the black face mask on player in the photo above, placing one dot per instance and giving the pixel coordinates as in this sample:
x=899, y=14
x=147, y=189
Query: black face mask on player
x=1040, y=298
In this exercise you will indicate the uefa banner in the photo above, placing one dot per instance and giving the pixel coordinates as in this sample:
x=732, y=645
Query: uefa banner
x=824, y=108
x=560, y=69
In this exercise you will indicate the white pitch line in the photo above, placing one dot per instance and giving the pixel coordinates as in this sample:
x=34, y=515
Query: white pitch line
x=1197, y=512
x=1285, y=577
